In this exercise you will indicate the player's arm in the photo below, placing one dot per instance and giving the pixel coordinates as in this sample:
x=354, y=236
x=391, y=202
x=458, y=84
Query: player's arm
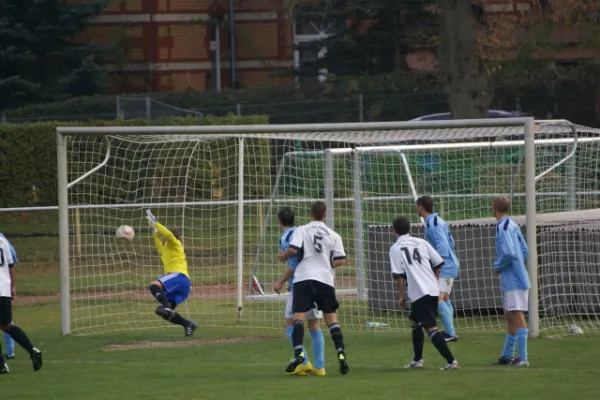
x=285, y=254
x=165, y=232
x=13, y=280
x=295, y=245
x=157, y=242
x=286, y=275
x=441, y=241
x=338, y=255
x=435, y=259
x=523, y=245
x=506, y=249
x=10, y=260
x=399, y=275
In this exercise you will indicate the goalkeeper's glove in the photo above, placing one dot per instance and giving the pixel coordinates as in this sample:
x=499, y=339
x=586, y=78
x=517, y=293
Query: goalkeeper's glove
x=151, y=220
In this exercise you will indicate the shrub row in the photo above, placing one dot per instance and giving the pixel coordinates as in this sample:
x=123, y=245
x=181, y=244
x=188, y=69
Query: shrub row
x=28, y=157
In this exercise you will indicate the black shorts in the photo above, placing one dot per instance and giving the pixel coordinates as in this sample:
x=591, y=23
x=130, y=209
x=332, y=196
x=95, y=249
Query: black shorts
x=308, y=293
x=5, y=310
x=424, y=311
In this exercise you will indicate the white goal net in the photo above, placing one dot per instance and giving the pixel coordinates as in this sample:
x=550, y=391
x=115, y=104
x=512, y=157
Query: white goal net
x=223, y=186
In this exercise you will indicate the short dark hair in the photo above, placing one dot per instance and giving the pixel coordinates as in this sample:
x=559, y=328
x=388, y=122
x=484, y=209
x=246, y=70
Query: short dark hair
x=286, y=216
x=502, y=204
x=176, y=232
x=317, y=210
x=426, y=202
x=401, y=226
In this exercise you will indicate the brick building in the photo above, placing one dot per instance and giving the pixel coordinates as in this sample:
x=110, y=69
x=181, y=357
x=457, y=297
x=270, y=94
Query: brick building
x=166, y=44
x=170, y=45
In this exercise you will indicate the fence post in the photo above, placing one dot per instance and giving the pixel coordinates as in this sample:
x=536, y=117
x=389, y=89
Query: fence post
x=238, y=108
x=148, y=109
x=118, y=107
x=361, y=108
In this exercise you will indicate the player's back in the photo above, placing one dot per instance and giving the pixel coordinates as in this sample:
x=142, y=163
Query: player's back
x=511, y=245
x=417, y=256
x=437, y=233
x=173, y=258
x=320, y=245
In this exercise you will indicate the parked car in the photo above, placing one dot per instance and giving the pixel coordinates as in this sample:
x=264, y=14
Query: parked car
x=491, y=114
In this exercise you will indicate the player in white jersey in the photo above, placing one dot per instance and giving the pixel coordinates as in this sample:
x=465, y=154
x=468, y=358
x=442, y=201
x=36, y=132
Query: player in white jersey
x=416, y=263
x=314, y=281
x=7, y=293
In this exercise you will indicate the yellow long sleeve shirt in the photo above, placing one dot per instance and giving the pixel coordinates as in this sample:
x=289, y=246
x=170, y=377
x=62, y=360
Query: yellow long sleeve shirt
x=171, y=251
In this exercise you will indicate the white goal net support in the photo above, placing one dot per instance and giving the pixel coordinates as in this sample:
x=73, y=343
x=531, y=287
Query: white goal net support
x=223, y=185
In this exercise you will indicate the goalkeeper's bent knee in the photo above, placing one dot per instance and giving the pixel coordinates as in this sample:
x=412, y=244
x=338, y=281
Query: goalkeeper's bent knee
x=159, y=294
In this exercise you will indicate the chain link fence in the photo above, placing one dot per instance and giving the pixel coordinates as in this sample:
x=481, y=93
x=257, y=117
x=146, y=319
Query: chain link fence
x=396, y=106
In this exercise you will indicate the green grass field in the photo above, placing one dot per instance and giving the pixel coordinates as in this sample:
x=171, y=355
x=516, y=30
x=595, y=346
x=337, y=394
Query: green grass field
x=223, y=364
x=239, y=363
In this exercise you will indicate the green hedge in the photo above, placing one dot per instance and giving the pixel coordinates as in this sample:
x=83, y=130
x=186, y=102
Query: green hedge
x=385, y=97
x=28, y=160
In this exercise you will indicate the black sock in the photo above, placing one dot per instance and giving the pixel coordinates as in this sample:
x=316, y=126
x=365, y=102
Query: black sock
x=440, y=344
x=179, y=320
x=337, y=337
x=298, y=336
x=159, y=294
x=1, y=357
x=21, y=338
x=418, y=338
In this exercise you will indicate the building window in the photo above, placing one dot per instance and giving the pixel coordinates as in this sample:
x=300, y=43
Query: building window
x=313, y=24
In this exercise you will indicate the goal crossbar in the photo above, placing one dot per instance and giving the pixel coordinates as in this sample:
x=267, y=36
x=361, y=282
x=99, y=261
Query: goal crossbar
x=296, y=128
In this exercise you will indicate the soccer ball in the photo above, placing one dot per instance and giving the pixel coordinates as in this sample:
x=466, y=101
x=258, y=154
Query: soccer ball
x=125, y=232
x=575, y=330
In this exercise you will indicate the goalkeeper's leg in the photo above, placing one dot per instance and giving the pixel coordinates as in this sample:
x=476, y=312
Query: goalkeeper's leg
x=159, y=292
x=176, y=289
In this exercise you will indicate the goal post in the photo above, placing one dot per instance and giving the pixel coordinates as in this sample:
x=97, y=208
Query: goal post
x=223, y=185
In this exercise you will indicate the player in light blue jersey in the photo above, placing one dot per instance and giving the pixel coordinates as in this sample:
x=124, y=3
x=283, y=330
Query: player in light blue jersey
x=9, y=343
x=286, y=224
x=511, y=254
x=439, y=237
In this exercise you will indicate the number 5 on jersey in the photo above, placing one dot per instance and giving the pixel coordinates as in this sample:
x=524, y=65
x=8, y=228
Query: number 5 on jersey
x=317, y=242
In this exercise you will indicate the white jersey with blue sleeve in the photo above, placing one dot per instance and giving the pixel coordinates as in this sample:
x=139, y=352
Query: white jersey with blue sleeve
x=6, y=262
x=511, y=253
x=438, y=235
x=284, y=244
x=12, y=249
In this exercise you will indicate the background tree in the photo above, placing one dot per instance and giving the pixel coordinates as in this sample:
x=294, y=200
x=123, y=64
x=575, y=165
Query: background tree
x=369, y=37
x=40, y=59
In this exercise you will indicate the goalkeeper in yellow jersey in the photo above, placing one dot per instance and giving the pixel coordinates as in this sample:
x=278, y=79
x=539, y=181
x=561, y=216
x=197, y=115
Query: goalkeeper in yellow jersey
x=174, y=286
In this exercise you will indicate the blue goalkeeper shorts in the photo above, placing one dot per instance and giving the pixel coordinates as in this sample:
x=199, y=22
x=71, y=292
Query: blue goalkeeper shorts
x=177, y=286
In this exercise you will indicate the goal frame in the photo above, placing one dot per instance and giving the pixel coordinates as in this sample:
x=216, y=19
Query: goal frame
x=526, y=123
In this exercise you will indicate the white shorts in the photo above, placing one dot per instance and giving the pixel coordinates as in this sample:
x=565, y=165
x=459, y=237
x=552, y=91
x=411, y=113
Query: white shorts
x=516, y=300
x=445, y=284
x=314, y=313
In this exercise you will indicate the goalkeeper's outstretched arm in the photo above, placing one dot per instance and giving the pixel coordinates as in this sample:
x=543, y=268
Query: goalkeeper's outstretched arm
x=165, y=232
x=157, y=242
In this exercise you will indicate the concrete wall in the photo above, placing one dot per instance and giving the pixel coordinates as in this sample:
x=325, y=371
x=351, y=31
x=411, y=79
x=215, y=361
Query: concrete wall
x=569, y=271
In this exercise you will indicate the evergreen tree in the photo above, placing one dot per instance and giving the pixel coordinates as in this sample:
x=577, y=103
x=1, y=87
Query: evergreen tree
x=40, y=59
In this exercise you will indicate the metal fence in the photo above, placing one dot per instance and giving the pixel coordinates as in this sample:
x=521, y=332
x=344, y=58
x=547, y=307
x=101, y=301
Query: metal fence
x=371, y=107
